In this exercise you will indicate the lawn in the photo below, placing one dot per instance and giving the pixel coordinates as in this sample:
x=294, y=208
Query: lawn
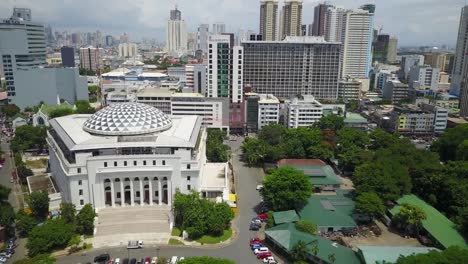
x=36, y=164
x=176, y=232
x=173, y=241
x=214, y=240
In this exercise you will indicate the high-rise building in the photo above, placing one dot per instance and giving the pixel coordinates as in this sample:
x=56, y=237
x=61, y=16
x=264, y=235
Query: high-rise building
x=302, y=111
x=304, y=30
x=109, y=41
x=218, y=28
x=334, y=23
x=202, y=37
x=381, y=48
x=297, y=65
x=128, y=50
x=392, y=50
x=196, y=78
x=436, y=60
x=68, y=56
x=22, y=46
x=90, y=58
x=459, y=64
x=410, y=61
x=176, y=35
x=124, y=38
x=191, y=41
x=292, y=18
x=318, y=28
x=423, y=78
x=269, y=19
x=357, y=37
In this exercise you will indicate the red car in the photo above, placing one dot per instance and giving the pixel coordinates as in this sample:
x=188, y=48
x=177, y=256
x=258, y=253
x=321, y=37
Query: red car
x=264, y=255
x=255, y=241
x=262, y=217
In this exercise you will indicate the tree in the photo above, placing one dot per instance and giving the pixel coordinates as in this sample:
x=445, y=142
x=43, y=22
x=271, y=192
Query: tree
x=62, y=111
x=83, y=107
x=451, y=141
x=68, y=212
x=293, y=149
x=53, y=234
x=254, y=151
x=299, y=251
x=39, y=204
x=205, y=260
x=39, y=259
x=7, y=215
x=216, y=151
x=384, y=176
x=87, y=72
x=462, y=220
x=85, y=220
x=306, y=227
x=347, y=137
x=272, y=133
x=10, y=110
x=451, y=255
x=286, y=188
x=4, y=193
x=381, y=139
x=370, y=204
x=410, y=217
x=28, y=137
x=320, y=151
x=332, y=122
x=24, y=223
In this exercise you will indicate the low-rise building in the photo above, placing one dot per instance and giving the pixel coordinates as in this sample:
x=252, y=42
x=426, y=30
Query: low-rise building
x=440, y=117
x=414, y=120
x=302, y=111
x=357, y=121
x=395, y=91
x=268, y=110
x=349, y=89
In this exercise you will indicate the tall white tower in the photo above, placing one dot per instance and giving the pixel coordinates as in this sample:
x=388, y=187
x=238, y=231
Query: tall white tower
x=269, y=19
x=176, y=34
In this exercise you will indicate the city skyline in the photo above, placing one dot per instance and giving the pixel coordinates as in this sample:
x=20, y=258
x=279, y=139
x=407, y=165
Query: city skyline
x=147, y=19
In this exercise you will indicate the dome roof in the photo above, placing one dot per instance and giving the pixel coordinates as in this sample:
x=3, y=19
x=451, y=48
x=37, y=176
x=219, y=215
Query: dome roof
x=127, y=119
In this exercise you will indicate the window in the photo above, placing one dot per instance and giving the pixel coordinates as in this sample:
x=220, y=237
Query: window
x=156, y=193
x=78, y=170
x=81, y=202
x=188, y=166
x=188, y=178
x=138, y=194
x=154, y=162
x=80, y=191
x=125, y=163
x=115, y=163
x=164, y=163
x=80, y=182
x=118, y=195
x=144, y=163
x=105, y=164
x=189, y=187
x=134, y=163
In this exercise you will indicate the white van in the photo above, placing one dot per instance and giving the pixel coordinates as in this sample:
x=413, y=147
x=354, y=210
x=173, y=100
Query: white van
x=173, y=260
x=260, y=250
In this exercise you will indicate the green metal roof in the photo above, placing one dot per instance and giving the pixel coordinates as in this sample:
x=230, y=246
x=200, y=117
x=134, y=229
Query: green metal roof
x=286, y=236
x=285, y=217
x=436, y=224
x=319, y=174
x=354, y=118
x=329, y=211
x=372, y=255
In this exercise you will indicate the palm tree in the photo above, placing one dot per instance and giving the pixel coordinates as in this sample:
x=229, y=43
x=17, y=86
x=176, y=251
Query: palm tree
x=299, y=251
x=332, y=258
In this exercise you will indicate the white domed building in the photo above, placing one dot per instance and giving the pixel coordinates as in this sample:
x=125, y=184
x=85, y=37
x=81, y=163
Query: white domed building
x=128, y=154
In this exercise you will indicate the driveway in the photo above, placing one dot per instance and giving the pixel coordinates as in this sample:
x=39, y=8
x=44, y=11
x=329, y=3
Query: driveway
x=247, y=198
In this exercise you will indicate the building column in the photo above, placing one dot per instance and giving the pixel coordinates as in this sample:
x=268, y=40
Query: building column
x=132, y=194
x=122, y=194
x=159, y=192
x=150, y=198
x=112, y=193
x=169, y=193
x=142, y=194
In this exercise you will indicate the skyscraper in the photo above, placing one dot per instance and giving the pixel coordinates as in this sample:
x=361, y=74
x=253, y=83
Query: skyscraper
x=269, y=19
x=334, y=23
x=90, y=58
x=176, y=35
x=296, y=65
x=68, y=56
x=292, y=18
x=202, y=37
x=380, y=50
x=357, y=35
x=392, y=50
x=318, y=28
x=218, y=28
x=459, y=67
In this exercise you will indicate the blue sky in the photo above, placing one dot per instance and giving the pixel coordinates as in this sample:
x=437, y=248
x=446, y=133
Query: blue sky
x=414, y=22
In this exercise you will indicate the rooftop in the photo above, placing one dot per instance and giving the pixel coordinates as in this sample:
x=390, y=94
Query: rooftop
x=319, y=172
x=354, y=118
x=286, y=236
x=373, y=254
x=329, y=210
x=295, y=40
x=214, y=176
x=436, y=224
x=285, y=217
x=268, y=99
x=41, y=183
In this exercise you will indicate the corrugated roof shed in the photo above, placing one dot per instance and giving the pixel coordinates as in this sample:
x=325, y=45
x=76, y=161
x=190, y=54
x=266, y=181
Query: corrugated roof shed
x=372, y=254
x=285, y=217
x=436, y=224
x=319, y=172
x=286, y=236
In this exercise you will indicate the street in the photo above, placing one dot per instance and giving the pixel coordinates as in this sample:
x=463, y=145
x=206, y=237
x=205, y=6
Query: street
x=239, y=251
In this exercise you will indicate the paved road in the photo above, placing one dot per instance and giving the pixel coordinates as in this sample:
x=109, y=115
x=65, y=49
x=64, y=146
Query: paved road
x=238, y=251
x=15, y=197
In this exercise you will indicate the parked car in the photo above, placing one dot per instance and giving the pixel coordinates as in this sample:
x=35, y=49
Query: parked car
x=133, y=261
x=101, y=259
x=110, y=261
x=5, y=254
x=262, y=217
x=264, y=255
x=255, y=246
x=3, y=259
x=256, y=220
x=147, y=260
x=254, y=227
x=181, y=258
x=256, y=243
x=135, y=244
x=125, y=261
x=261, y=250
x=117, y=261
x=154, y=260
x=173, y=260
x=269, y=260
x=259, y=187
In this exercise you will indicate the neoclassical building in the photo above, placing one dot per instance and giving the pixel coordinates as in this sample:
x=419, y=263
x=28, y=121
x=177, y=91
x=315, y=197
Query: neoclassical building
x=130, y=154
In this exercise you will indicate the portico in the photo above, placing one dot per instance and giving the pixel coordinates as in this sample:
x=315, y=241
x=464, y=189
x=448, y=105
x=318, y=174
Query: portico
x=137, y=191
